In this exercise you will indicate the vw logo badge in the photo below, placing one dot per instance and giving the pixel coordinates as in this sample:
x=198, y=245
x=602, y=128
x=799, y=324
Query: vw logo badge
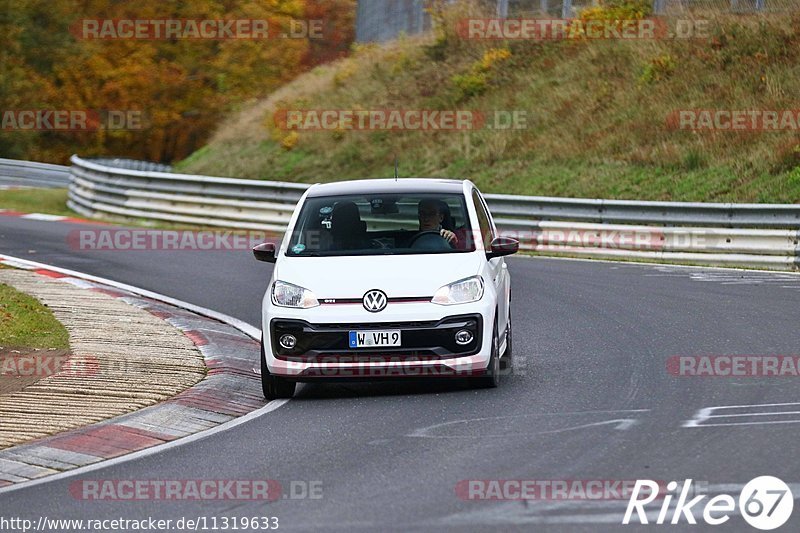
x=375, y=301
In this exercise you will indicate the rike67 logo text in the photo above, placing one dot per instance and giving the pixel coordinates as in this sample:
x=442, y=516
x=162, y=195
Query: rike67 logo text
x=765, y=503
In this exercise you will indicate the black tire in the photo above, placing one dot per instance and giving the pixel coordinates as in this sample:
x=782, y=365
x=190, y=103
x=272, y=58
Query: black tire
x=507, y=361
x=491, y=379
x=274, y=388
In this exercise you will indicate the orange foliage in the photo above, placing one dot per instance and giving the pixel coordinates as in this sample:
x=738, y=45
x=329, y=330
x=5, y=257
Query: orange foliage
x=181, y=87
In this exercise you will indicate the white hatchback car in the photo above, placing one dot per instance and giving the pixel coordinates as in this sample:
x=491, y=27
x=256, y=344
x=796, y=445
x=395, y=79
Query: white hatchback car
x=387, y=278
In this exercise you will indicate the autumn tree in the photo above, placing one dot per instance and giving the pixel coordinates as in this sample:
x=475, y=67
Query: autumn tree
x=181, y=87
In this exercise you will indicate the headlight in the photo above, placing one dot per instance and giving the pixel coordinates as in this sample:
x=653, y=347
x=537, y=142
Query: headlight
x=288, y=295
x=460, y=292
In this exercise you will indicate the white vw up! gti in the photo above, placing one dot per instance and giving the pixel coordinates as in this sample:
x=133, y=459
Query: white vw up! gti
x=387, y=278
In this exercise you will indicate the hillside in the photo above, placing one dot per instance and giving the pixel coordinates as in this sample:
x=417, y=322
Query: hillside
x=598, y=115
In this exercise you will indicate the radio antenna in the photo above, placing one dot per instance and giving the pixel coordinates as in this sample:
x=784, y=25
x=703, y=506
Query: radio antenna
x=395, y=168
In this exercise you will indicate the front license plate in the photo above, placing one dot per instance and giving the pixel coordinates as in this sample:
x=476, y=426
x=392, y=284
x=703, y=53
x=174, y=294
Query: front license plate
x=368, y=339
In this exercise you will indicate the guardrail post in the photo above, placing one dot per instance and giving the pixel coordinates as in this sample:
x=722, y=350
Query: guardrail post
x=566, y=9
x=797, y=250
x=502, y=9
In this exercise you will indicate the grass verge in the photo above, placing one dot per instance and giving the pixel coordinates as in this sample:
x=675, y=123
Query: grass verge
x=26, y=322
x=50, y=201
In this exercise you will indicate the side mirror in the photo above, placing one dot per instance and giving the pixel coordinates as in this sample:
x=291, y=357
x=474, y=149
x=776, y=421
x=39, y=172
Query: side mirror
x=265, y=252
x=502, y=246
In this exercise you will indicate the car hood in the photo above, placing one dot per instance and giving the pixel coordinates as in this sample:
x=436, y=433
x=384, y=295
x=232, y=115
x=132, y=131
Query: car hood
x=396, y=275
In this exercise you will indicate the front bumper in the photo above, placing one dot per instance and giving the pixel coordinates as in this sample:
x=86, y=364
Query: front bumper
x=428, y=341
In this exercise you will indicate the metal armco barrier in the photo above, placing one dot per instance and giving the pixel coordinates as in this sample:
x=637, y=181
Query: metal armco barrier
x=31, y=174
x=205, y=200
x=131, y=164
x=635, y=212
x=743, y=235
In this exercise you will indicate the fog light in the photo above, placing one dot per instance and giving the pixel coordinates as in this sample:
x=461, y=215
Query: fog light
x=463, y=337
x=287, y=341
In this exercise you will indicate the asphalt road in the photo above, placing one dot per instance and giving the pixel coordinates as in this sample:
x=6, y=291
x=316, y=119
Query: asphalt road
x=590, y=399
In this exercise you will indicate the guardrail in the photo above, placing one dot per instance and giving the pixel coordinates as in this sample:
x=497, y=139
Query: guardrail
x=744, y=235
x=131, y=164
x=204, y=200
x=30, y=174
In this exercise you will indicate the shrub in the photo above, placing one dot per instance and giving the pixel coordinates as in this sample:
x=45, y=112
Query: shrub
x=617, y=10
x=290, y=141
x=476, y=80
x=470, y=84
x=657, y=69
x=787, y=157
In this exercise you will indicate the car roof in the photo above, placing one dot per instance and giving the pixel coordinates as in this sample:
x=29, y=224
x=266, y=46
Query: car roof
x=391, y=185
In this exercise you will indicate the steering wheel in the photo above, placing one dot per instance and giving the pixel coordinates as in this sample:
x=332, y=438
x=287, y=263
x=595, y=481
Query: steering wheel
x=429, y=240
x=377, y=244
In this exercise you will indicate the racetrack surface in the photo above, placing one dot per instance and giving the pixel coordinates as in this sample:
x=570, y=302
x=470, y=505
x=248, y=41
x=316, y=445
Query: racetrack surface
x=590, y=399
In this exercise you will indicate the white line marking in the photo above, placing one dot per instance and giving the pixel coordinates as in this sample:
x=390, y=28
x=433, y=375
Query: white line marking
x=776, y=413
x=759, y=423
x=622, y=424
x=707, y=413
x=754, y=405
x=43, y=216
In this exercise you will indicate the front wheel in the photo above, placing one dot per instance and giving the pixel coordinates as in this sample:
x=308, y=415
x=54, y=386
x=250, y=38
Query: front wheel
x=491, y=378
x=274, y=387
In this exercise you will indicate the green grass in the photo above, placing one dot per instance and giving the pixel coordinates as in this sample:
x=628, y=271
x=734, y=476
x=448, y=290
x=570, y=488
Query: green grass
x=597, y=116
x=26, y=323
x=50, y=201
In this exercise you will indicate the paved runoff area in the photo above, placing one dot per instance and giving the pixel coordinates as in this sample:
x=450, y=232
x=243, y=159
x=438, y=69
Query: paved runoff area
x=149, y=374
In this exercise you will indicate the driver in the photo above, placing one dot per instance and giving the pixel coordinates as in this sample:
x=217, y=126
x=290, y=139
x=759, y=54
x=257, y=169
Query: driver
x=431, y=217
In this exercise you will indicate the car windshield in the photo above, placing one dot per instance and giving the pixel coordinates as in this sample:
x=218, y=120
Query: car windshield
x=382, y=224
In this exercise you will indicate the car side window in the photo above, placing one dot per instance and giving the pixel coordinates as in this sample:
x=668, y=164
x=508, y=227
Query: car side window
x=483, y=219
x=488, y=215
